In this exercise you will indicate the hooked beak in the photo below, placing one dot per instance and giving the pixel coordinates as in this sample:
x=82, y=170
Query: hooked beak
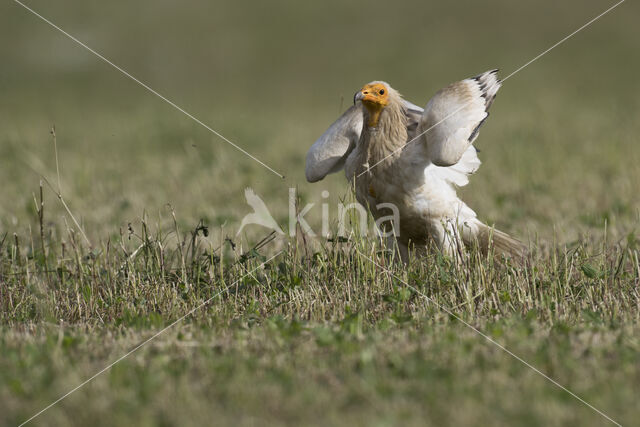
x=366, y=96
x=358, y=96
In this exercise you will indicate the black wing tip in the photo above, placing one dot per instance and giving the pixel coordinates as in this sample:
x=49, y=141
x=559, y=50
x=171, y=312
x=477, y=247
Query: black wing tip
x=477, y=129
x=490, y=72
x=483, y=84
x=495, y=72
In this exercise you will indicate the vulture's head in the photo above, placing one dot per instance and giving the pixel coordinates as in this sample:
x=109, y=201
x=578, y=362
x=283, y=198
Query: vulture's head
x=375, y=97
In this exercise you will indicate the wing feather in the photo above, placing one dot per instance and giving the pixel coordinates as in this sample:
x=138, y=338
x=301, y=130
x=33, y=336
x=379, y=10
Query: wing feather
x=457, y=174
x=329, y=152
x=453, y=117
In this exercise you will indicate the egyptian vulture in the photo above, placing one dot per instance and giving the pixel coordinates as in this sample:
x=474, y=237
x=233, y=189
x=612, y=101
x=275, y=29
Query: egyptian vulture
x=395, y=152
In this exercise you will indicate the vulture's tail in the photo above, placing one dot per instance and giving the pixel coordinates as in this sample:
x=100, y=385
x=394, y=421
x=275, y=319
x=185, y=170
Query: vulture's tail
x=489, y=239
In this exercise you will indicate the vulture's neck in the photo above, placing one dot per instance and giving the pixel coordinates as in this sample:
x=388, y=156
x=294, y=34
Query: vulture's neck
x=388, y=136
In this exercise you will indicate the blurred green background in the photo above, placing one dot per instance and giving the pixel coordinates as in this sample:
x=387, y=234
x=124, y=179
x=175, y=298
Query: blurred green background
x=559, y=153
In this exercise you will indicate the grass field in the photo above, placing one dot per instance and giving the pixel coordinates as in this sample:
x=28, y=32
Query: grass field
x=326, y=332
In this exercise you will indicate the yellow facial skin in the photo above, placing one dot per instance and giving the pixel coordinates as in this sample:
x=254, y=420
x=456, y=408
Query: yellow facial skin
x=374, y=97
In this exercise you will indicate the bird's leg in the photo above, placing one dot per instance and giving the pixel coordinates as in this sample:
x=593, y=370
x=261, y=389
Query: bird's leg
x=403, y=251
x=398, y=248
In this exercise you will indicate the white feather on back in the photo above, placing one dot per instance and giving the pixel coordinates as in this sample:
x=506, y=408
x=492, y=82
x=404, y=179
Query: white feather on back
x=457, y=174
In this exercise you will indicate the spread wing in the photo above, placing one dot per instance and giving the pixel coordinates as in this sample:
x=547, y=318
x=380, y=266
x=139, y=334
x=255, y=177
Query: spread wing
x=330, y=151
x=452, y=118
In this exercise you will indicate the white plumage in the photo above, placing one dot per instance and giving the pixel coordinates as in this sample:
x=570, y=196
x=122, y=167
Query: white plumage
x=396, y=152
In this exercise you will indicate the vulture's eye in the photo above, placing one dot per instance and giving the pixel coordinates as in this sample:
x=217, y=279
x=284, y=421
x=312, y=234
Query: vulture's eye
x=381, y=92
